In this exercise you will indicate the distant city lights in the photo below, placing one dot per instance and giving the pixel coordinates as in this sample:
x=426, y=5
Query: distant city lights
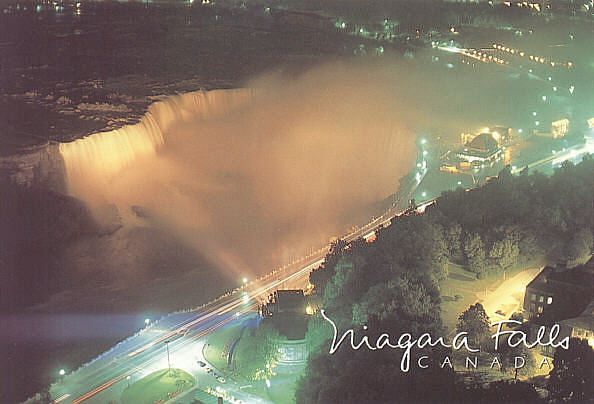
x=533, y=58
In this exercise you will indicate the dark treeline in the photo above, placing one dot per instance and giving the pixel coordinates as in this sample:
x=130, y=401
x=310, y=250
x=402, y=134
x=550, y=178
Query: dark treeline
x=392, y=285
x=427, y=15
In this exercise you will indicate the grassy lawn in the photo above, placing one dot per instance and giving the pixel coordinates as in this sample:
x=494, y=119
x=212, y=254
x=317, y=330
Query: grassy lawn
x=158, y=386
x=282, y=388
x=217, y=348
x=462, y=288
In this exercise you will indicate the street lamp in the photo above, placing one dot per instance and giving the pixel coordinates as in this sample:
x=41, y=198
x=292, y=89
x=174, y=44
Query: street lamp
x=245, y=280
x=128, y=380
x=147, y=321
x=168, y=361
x=62, y=372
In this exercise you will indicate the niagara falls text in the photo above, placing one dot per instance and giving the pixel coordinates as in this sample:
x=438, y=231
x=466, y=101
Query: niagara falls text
x=406, y=342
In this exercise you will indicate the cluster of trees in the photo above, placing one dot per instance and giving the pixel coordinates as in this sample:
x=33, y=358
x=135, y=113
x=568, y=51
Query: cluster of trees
x=519, y=218
x=572, y=377
x=388, y=286
x=476, y=323
x=256, y=351
x=392, y=285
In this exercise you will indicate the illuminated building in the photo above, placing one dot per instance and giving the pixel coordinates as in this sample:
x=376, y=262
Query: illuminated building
x=564, y=296
x=560, y=292
x=559, y=128
x=581, y=326
x=449, y=167
x=482, y=149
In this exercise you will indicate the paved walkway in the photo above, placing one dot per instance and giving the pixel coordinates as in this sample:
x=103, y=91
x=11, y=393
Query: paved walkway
x=509, y=296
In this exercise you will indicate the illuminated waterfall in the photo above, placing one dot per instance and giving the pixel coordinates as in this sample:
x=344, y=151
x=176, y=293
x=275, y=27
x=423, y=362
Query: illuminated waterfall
x=101, y=156
x=246, y=178
x=106, y=153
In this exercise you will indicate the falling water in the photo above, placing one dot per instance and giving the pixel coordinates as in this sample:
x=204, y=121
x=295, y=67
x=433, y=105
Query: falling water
x=97, y=158
x=248, y=178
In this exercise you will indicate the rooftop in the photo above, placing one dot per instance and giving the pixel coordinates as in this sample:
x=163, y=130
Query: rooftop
x=553, y=280
x=482, y=146
x=585, y=320
x=483, y=143
x=290, y=300
x=572, y=291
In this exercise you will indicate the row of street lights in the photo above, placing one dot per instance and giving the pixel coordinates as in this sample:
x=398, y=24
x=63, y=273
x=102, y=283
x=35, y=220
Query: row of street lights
x=147, y=322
